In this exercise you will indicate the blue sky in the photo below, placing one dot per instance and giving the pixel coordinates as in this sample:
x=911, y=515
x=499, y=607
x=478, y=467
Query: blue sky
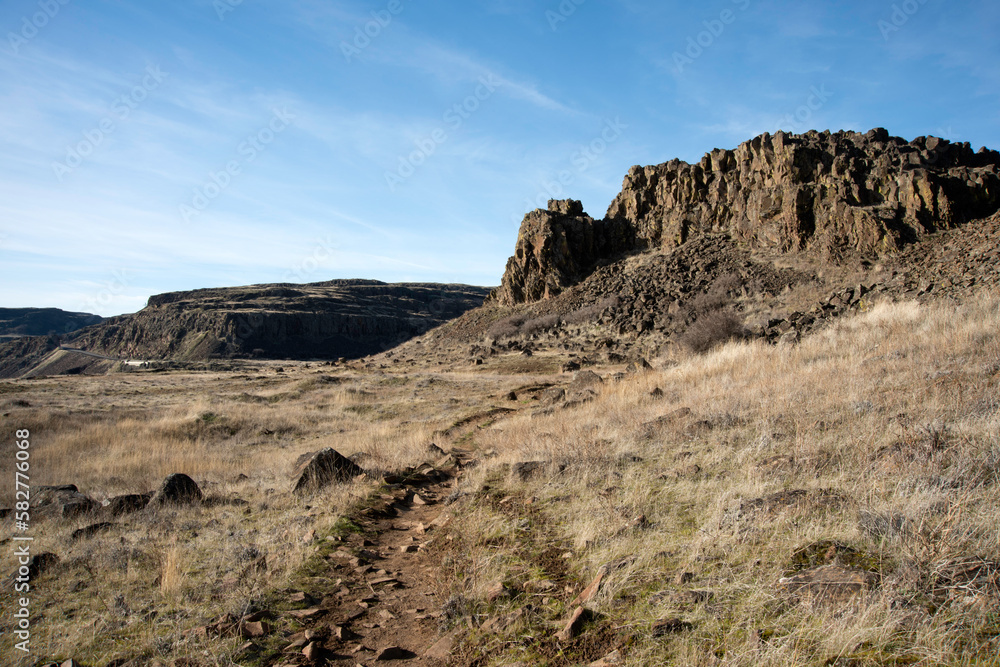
x=151, y=146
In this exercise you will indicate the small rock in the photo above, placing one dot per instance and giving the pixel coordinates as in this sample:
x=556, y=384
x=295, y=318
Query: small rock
x=91, y=530
x=827, y=583
x=667, y=626
x=499, y=591
x=573, y=626
x=313, y=651
x=127, y=504
x=590, y=591
x=344, y=634
x=255, y=629
x=442, y=648
x=610, y=660
x=525, y=470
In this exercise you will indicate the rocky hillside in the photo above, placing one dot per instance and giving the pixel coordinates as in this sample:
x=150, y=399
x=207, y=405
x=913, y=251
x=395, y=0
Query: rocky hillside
x=338, y=318
x=835, y=197
x=43, y=321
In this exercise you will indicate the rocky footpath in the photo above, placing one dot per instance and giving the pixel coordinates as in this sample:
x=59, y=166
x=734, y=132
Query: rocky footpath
x=339, y=318
x=834, y=196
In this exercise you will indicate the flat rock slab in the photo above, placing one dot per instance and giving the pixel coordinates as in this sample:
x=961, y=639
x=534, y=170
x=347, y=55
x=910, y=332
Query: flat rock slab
x=827, y=583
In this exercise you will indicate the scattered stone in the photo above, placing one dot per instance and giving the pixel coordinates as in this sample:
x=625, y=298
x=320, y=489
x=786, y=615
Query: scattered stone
x=827, y=583
x=316, y=470
x=442, y=648
x=305, y=613
x=127, y=504
x=499, y=591
x=63, y=501
x=573, y=625
x=177, y=489
x=255, y=629
x=526, y=470
x=344, y=634
x=612, y=659
x=591, y=590
x=669, y=626
x=91, y=530
x=585, y=380
x=313, y=651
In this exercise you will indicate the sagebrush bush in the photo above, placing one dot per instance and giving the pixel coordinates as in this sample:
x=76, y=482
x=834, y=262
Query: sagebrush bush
x=713, y=328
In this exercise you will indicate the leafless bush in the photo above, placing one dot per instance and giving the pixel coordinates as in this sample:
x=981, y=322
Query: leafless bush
x=712, y=329
x=590, y=313
x=508, y=327
x=540, y=324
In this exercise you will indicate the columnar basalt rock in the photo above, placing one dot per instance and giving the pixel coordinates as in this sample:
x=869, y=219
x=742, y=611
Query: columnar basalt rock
x=836, y=195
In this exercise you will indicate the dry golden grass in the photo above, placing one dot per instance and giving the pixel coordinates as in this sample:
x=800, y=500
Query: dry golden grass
x=138, y=589
x=889, y=420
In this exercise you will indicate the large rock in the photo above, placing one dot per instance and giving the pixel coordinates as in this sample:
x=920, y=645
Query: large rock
x=127, y=504
x=177, y=489
x=316, y=470
x=832, y=194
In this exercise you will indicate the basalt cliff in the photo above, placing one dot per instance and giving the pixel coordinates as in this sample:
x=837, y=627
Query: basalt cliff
x=833, y=196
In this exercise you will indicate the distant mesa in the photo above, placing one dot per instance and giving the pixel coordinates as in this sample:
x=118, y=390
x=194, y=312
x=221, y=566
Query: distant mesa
x=326, y=320
x=43, y=322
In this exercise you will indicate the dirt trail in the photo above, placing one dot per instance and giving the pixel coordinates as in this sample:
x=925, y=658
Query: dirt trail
x=388, y=607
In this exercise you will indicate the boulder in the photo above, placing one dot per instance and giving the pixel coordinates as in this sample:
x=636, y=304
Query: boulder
x=317, y=470
x=177, y=489
x=63, y=501
x=127, y=504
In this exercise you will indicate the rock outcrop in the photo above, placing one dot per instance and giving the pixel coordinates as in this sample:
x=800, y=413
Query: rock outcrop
x=834, y=195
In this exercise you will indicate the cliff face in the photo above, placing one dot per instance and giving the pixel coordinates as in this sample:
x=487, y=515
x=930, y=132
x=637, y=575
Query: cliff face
x=833, y=195
x=341, y=318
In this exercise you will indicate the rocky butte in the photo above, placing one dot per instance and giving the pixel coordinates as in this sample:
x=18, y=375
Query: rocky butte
x=833, y=196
